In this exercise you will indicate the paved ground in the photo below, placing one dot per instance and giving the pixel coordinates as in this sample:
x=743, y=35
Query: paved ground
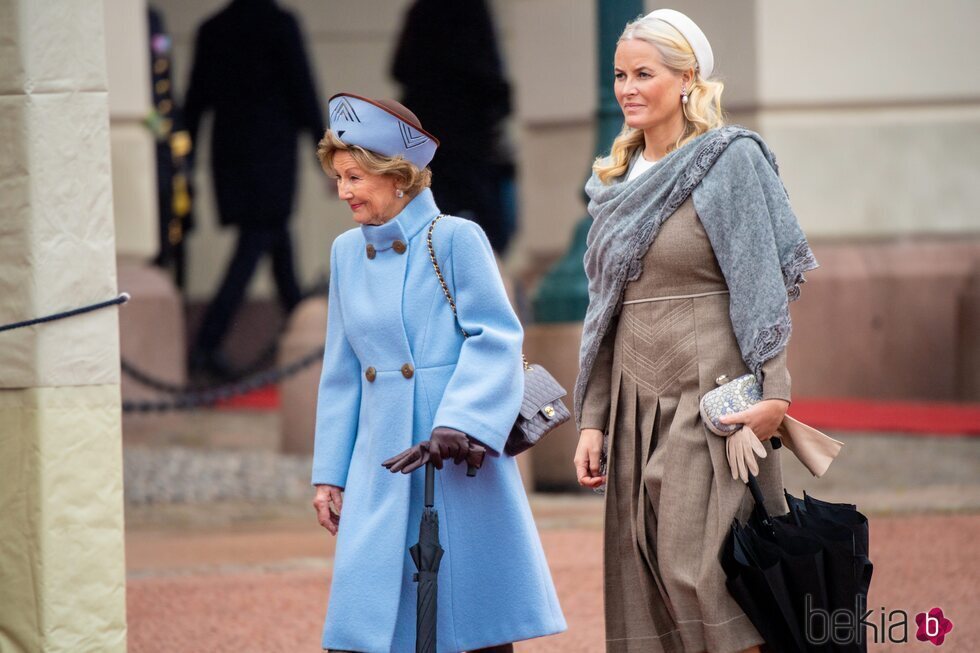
x=234, y=561
x=207, y=456
x=263, y=586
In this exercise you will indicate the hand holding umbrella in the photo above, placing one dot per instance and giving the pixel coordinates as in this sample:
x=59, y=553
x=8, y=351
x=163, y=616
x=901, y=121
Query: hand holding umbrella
x=444, y=444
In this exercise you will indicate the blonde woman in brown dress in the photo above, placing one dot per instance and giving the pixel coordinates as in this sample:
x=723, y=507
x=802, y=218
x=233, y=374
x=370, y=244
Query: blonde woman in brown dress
x=693, y=257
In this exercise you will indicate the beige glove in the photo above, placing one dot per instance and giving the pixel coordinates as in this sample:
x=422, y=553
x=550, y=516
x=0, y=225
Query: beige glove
x=814, y=449
x=742, y=447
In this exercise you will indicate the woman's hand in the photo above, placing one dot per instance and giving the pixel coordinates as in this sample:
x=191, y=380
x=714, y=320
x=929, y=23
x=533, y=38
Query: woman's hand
x=329, y=501
x=587, y=458
x=444, y=444
x=763, y=418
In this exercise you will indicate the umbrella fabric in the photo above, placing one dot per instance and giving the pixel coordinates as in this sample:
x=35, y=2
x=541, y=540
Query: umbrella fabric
x=845, y=533
x=847, y=515
x=782, y=570
x=427, y=555
x=830, y=589
x=756, y=581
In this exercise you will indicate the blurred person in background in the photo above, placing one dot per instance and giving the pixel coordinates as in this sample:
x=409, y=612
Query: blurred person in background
x=450, y=69
x=250, y=68
x=402, y=385
x=694, y=255
x=173, y=149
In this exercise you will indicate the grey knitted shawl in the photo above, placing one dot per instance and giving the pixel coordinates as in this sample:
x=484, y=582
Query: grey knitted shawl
x=743, y=206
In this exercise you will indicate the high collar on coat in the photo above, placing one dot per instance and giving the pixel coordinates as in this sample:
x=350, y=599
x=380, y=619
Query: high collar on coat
x=416, y=215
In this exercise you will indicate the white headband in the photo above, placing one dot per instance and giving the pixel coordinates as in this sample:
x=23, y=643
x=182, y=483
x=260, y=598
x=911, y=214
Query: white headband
x=690, y=31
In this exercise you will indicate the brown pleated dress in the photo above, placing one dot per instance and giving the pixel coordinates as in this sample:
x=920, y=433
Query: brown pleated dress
x=670, y=498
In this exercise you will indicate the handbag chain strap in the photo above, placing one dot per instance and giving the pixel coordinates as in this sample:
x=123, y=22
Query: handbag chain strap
x=445, y=287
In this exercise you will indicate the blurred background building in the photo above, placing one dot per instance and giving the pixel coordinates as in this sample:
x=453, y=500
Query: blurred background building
x=871, y=108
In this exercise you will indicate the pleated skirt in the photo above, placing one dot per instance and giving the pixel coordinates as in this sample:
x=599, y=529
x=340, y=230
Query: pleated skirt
x=670, y=499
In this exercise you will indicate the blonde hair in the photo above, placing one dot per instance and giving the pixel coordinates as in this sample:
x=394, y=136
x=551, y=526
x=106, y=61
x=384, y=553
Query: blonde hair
x=701, y=113
x=409, y=178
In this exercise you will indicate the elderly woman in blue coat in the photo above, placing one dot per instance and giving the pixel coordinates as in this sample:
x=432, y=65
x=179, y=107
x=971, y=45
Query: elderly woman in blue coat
x=401, y=386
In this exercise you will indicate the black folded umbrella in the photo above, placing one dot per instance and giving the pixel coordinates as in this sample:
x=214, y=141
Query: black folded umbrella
x=844, y=533
x=845, y=514
x=427, y=554
x=793, y=571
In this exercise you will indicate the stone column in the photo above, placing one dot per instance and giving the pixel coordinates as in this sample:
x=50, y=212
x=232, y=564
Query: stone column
x=563, y=295
x=152, y=327
x=62, y=571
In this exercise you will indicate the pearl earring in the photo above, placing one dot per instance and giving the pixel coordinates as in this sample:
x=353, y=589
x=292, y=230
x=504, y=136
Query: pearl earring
x=399, y=193
x=683, y=94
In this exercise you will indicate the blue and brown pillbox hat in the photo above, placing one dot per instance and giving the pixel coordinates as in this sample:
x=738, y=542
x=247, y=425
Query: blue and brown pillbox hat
x=384, y=127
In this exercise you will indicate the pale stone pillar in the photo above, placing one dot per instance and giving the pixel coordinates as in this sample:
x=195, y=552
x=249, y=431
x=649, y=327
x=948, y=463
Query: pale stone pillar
x=62, y=571
x=134, y=185
x=153, y=325
x=298, y=393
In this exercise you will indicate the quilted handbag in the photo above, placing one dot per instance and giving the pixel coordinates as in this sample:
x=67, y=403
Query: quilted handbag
x=542, y=409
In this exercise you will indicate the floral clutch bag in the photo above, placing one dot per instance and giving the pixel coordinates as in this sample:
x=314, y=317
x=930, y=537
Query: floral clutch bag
x=729, y=397
x=814, y=449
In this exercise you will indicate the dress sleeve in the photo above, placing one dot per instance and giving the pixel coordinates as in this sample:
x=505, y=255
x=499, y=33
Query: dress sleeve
x=776, y=381
x=484, y=395
x=338, y=404
x=597, y=397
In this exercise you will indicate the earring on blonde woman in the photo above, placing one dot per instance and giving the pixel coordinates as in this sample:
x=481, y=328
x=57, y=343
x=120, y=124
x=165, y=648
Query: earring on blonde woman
x=399, y=193
x=683, y=94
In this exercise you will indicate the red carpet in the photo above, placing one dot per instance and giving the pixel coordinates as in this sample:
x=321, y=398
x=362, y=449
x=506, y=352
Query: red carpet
x=266, y=398
x=832, y=414
x=901, y=416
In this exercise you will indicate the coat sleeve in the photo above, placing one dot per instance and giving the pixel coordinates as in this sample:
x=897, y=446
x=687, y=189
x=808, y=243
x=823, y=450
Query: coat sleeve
x=484, y=394
x=339, y=397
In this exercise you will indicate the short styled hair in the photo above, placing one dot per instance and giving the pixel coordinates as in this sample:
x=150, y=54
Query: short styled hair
x=409, y=177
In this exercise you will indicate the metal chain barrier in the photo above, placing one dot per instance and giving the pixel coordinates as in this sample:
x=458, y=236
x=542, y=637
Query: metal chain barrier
x=257, y=364
x=213, y=395
x=189, y=396
x=250, y=369
x=154, y=383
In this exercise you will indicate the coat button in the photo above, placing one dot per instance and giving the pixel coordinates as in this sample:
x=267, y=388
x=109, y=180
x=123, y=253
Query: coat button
x=370, y=374
x=399, y=246
x=371, y=252
x=408, y=371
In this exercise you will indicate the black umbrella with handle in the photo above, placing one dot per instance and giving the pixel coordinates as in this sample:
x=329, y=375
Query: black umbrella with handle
x=427, y=553
x=790, y=573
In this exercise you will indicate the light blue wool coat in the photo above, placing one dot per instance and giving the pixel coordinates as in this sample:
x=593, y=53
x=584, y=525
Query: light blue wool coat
x=494, y=583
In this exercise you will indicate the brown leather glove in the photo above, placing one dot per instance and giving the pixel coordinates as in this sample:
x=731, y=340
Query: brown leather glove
x=444, y=444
